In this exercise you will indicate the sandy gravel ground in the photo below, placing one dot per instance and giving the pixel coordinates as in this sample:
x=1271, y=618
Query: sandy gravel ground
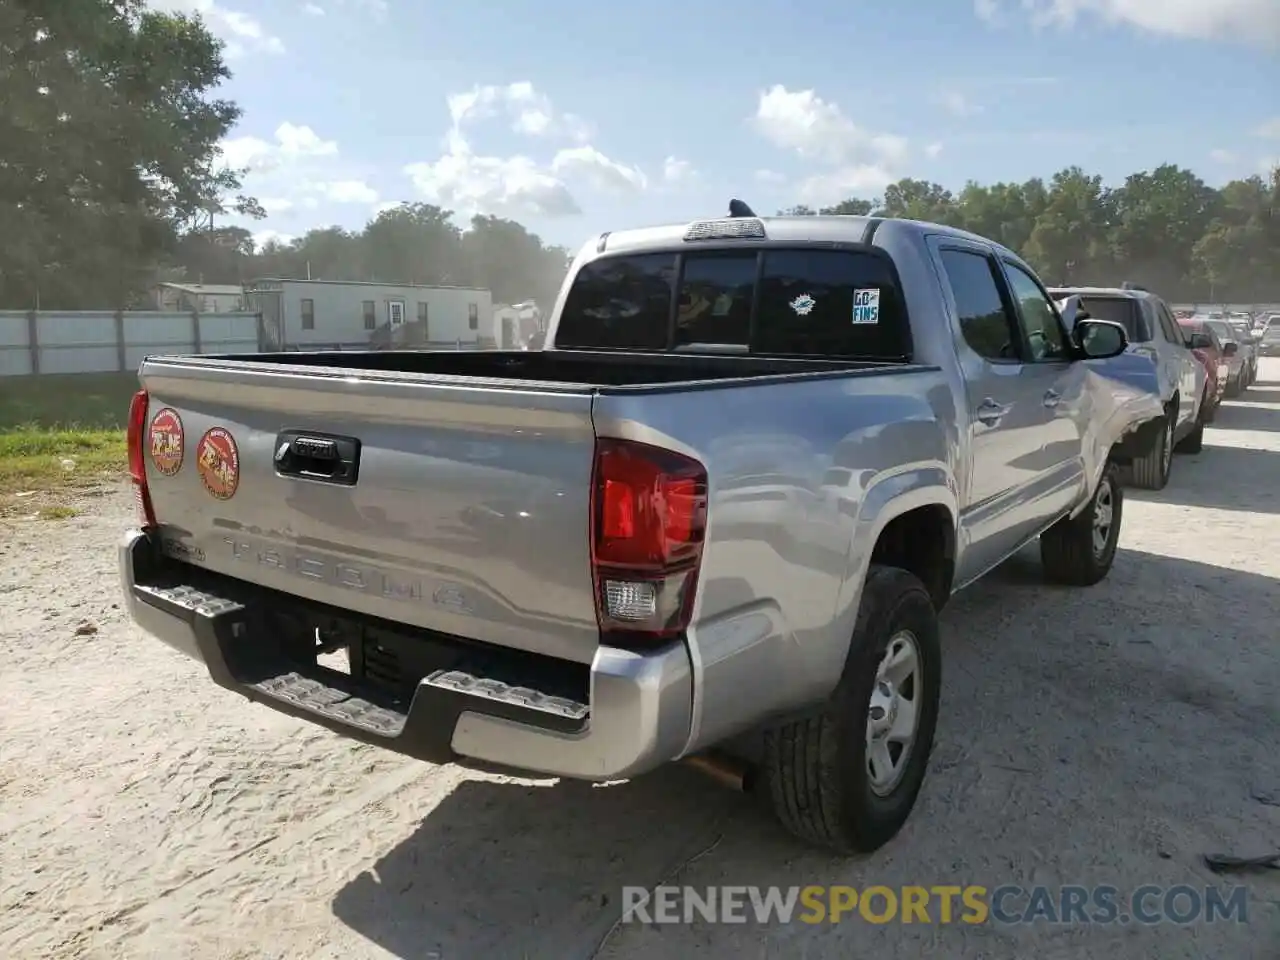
x=1103, y=736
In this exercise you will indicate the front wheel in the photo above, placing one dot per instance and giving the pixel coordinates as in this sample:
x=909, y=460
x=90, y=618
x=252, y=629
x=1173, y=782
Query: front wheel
x=847, y=778
x=1079, y=551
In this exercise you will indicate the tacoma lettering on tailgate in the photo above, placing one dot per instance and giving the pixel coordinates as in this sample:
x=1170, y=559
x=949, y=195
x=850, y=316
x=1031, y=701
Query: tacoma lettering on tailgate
x=361, y=577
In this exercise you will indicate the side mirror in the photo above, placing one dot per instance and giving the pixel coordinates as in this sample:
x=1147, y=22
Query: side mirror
x=1230, y=348
x=1099, y=339
x=1200, y=341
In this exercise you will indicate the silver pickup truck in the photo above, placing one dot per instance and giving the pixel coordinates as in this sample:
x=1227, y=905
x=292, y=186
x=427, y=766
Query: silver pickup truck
x=729, y=498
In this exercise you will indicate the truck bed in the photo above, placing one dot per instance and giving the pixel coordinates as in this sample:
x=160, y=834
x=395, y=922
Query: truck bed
x=460, y=503
x=559, y=369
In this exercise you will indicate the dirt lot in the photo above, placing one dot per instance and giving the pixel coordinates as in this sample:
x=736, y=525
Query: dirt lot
x=1108, y=736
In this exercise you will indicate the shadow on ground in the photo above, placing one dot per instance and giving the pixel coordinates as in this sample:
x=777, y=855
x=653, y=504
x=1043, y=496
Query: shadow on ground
x=1236, y=415
x=1221, y=478
x=1262, y=394
x=1059, y=709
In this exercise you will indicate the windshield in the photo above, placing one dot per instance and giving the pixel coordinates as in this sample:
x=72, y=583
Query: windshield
x=1222, y=329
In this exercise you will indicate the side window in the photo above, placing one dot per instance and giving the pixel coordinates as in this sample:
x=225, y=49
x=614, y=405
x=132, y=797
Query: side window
x=619, y=303
x=715, y=298
x=1039, y=316
x=1171, y=328
x=830, y=303
x=987, y=327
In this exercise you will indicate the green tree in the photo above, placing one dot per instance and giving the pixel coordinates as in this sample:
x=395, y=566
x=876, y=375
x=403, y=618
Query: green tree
x=108, y=145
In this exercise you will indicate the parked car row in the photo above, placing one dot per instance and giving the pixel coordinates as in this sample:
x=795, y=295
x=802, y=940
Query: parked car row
x=1198, y=360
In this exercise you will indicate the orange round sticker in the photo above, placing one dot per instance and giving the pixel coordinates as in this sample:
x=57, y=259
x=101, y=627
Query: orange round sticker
x=218, y=461
x=165, y=440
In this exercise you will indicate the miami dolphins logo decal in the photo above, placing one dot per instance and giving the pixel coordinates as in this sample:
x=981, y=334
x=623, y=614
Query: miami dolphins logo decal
x=803, y=305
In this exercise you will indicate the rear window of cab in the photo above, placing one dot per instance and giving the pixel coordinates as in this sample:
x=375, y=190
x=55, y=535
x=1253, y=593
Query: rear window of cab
x=780, y=301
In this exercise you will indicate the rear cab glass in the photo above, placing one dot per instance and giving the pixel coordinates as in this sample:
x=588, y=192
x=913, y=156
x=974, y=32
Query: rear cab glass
x=783, y=301
x=1121, y=310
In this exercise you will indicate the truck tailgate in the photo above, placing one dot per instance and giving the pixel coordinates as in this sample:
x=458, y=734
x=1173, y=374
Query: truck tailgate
x=468, y=513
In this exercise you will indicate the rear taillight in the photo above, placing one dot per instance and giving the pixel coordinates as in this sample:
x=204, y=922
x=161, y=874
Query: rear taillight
x=648, y=520
x=137, y=439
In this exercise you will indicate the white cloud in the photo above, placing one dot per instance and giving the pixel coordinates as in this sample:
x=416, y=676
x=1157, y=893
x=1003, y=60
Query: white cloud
x=374, y=8
x=1269, y=130
x=292, y=143
x=933, y=149
x=262, y=237
x=294, y=173
x=469, y=182
x=276, y=205
x=802, y=121
x=530, y=112
x=826, y=189
x=987, y=10
x=504, y=186
x=957, y=104
x=675, y=170
x=1222, y=156
x=770, y=176
x=603, y=173
x=348, y=191
x=816, y=129
x=1249, y=21
x=241, y=32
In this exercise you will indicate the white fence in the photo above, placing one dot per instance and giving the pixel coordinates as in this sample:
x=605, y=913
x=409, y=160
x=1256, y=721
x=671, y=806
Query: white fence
x=102, y=341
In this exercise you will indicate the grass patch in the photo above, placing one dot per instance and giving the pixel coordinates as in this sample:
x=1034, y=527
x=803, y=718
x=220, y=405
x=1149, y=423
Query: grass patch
x=57, y=513
x=80, y=400
x=59, y=432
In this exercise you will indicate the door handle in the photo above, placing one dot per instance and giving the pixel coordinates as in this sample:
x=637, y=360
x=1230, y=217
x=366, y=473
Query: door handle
x=991, y=413
x=318, y=456
x=1052, y=398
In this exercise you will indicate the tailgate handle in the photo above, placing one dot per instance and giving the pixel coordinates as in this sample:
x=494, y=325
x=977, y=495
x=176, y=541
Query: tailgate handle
x=318, y=456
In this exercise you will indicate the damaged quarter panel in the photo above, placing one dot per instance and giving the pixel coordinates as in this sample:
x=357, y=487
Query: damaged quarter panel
x=803, y=476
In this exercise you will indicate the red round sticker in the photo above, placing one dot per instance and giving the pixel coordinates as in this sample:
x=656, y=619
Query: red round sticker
x=218, y=461
x=165, y=440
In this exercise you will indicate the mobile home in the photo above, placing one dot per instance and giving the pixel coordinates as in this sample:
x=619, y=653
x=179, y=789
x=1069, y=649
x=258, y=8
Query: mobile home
x=351, y=314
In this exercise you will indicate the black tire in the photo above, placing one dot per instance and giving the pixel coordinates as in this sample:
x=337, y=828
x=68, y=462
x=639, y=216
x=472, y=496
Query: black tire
x=815, y=774
x=1151, y=471
x=1068, y=550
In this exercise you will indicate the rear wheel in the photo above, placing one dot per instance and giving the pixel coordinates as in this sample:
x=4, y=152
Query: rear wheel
x=1151, y=471
x=1079, y=551
x=847, y=777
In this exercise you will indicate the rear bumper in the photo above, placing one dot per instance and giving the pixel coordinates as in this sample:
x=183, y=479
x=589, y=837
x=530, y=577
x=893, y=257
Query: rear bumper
x=637, y=716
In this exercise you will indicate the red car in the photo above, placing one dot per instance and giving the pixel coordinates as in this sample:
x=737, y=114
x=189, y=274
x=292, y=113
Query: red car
x=1207, y=347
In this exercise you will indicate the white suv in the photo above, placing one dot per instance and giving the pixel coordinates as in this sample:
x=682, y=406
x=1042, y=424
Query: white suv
x=1270, y=344
x=1154, y=333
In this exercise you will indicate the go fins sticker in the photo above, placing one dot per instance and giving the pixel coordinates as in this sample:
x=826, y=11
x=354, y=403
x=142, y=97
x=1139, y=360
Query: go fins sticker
x=218, y=461
x=866, y=306
x=165, y=440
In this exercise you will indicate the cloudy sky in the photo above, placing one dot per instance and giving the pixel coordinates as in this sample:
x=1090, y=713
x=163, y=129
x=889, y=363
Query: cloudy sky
x=577, y=117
